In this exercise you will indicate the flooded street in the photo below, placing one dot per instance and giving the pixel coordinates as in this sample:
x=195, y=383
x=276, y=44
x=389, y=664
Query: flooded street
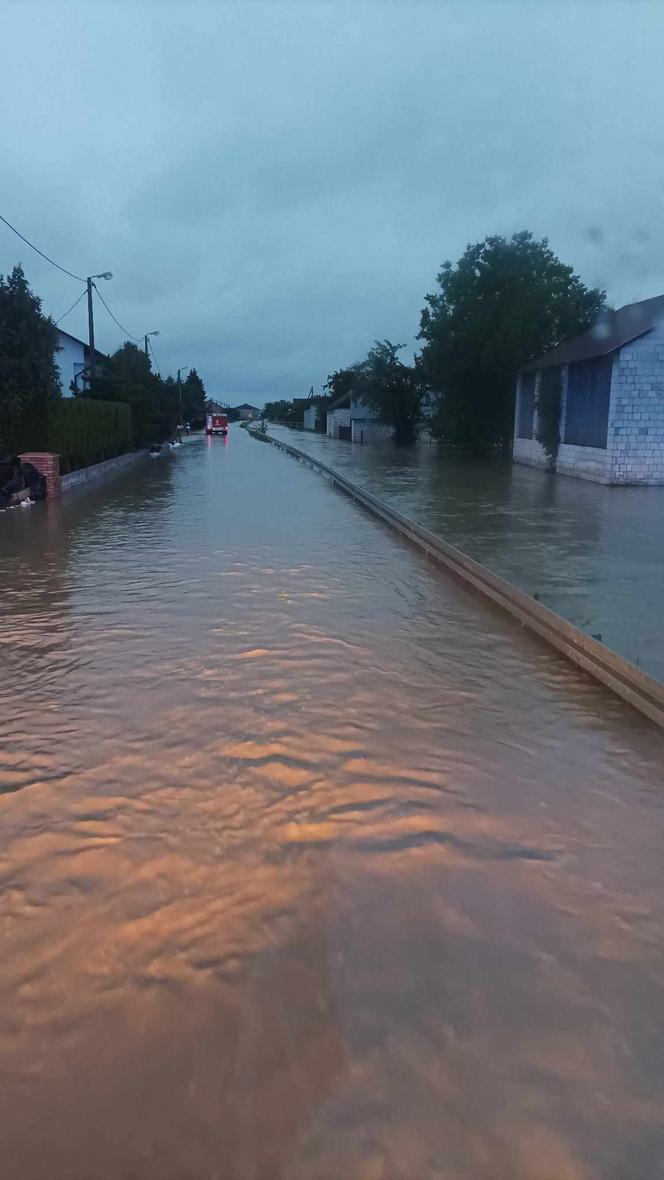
x=313, y=866
x=593, y=554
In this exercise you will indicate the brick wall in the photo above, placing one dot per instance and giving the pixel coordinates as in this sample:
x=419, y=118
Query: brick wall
x=49, y=465
x=636, y=420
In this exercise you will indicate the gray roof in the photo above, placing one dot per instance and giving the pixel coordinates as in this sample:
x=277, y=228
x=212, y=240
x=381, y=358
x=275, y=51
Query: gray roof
x=613, y=330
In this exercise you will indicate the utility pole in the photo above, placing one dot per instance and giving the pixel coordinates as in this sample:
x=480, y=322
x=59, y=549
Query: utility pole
x=180, y=392
x=146, y=343
x=91, y=333
x=180, y=417
x=105, y=274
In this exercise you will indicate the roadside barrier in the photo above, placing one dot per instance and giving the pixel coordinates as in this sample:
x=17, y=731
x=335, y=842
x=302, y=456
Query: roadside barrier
x=634, y=686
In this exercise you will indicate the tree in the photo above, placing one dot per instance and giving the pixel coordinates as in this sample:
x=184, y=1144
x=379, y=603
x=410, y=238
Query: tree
x=126, y=376
x=166, y=408
x=29, y=376
x=193, y=399
x=391, y=388
x=505, y=302
x=342, y=382
x=279, y=411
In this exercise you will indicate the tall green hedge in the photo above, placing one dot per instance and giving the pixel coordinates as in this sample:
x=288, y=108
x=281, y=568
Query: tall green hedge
x=83, y=431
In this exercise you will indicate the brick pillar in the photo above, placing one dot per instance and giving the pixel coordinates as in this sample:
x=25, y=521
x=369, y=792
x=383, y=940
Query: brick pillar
x=49, y=466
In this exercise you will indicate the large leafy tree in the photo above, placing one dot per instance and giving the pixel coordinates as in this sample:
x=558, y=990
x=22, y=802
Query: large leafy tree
x=126, y=376
x=342, y=382
x=505, y=302
x=393, y=389
x=193, y=399
x=29, y=376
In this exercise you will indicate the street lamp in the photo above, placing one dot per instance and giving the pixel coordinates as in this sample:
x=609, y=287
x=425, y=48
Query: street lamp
x=104, y=274
x=146, y=340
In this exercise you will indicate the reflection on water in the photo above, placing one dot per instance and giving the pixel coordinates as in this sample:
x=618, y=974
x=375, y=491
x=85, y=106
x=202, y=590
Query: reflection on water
x=592, y=553
x=311, y=864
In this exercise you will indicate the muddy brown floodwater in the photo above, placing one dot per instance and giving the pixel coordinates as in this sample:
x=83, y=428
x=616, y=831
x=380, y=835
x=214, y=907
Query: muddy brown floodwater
x=312, y=864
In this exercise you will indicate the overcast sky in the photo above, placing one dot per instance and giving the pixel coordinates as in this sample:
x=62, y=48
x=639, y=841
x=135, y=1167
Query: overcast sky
x=275, y=185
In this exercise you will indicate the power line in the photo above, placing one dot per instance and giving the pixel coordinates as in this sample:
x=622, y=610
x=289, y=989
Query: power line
x=66, y=313
x=41, y=252
x=154, y=357
x=127, y=334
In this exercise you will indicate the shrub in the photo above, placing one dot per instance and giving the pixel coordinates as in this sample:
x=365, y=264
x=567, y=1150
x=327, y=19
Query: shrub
x=83, y=431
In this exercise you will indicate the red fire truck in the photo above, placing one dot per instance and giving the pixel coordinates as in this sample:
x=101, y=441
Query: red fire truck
x=216, y=424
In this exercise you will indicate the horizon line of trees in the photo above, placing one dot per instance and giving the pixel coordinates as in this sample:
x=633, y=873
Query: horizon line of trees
x=30, y=380
x=504, y=302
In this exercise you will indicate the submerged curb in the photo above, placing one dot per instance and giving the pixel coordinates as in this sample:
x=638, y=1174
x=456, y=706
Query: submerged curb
x=641, y=691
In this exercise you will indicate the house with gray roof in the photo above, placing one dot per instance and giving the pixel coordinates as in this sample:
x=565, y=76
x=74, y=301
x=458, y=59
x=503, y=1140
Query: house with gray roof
x=611, y=388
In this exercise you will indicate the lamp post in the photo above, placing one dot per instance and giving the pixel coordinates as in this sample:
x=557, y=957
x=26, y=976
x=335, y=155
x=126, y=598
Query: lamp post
x=187, y=367
x=105, y=274
x=146, y=340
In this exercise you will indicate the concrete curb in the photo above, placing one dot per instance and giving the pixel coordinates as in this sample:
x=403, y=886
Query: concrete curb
x=634, y=686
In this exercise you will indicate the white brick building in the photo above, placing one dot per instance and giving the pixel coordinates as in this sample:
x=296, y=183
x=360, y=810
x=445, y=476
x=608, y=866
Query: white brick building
x=612, y=400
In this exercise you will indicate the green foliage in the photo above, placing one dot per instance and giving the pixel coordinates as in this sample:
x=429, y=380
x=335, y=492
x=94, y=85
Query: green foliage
x=193, y=399
x=282, y=411
x=342, y=382
x=84, y=431
x=29, y=376
x=391, y=388
x=126, y=376
x=505, y=302
x=548, y=413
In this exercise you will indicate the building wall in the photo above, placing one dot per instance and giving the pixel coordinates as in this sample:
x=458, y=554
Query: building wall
x=583, y=462
x=366, y=423
x=636, y=417
x=335, y=419
x=70, y=360
x=309, y=419
x=365, y=430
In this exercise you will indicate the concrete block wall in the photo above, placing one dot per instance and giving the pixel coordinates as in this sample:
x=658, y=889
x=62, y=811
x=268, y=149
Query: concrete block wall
x=365, y=430
x=335, y=419
x=636, y=418
x=98, y=470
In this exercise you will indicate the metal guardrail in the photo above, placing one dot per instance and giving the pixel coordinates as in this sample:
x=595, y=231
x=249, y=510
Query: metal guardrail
x=634, y=686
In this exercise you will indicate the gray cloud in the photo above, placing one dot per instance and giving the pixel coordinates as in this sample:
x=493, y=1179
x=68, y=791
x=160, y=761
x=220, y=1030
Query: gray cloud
x=276, y=184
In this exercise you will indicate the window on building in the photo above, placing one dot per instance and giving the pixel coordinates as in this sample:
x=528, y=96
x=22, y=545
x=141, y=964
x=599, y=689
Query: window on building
x=526, y=419
x=588, y=392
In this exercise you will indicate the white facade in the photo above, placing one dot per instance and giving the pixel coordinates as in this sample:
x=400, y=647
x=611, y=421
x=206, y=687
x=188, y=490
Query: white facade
x=309, y=418
x=337, y=419
x=634, y=451
x=70, y=360
x=366, y=424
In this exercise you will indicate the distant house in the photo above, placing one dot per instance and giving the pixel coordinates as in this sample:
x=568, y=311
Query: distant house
x=612, y=399
x=337, y=418
x=366, y=424
x=315, y=414
x=246, y=412
x=310, y=417
x=72, y=361
x=348, y=417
